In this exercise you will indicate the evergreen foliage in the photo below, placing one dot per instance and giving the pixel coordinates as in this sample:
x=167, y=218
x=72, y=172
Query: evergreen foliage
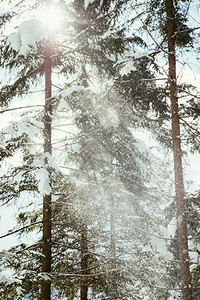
x=107, y=188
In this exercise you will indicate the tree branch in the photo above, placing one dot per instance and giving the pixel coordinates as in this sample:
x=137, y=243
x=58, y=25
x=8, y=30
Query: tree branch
x=20, y=229
x=21, y=107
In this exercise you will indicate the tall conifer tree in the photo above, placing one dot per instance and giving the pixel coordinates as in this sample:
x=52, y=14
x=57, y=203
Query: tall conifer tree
x=178, y=169
x=47, y=239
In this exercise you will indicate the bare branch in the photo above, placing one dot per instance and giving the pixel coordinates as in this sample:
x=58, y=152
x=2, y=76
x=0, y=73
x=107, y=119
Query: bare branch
x=20, y=107
x=20, y=229
x=194, y=129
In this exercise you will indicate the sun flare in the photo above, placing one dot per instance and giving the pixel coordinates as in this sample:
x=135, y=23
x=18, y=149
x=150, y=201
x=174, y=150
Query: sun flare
x=52, y=17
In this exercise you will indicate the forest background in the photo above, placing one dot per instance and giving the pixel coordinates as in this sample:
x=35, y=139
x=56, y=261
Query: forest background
x=99, y=213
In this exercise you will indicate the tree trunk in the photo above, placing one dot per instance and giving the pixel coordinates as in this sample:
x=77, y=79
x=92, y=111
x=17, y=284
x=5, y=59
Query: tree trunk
x=112, y=235
x=84, y=263
x=113, y=276
x=46, y=241
x=178, y=169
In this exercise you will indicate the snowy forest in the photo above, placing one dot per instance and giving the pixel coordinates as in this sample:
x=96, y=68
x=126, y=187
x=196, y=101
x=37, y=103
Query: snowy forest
x=99, y=127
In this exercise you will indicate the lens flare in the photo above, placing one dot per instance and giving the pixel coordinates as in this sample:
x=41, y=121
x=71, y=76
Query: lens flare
x=52, y=17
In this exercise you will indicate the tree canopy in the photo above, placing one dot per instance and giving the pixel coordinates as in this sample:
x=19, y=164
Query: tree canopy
x=101, y=207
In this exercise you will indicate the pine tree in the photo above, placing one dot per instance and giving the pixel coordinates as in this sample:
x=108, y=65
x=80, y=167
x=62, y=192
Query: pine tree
x=178, y=169
x=47, y=239
x=178, y=37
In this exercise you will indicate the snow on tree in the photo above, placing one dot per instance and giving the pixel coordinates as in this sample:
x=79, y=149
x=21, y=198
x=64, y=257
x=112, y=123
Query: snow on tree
x=109, y=216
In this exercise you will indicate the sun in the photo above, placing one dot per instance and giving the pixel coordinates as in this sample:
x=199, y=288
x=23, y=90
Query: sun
x=52, y=16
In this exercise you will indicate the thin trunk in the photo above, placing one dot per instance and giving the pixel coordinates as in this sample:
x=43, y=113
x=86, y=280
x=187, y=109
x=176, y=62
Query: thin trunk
x=178, y=169
x=84, y=263
x=46, y=245
x=112, y=235
x=113, y=277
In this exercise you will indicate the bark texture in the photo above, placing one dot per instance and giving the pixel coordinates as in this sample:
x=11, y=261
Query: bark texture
x=113, y=278
x=178, y=169
x=84, y=263
x=46, y=240
x=112, y=235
